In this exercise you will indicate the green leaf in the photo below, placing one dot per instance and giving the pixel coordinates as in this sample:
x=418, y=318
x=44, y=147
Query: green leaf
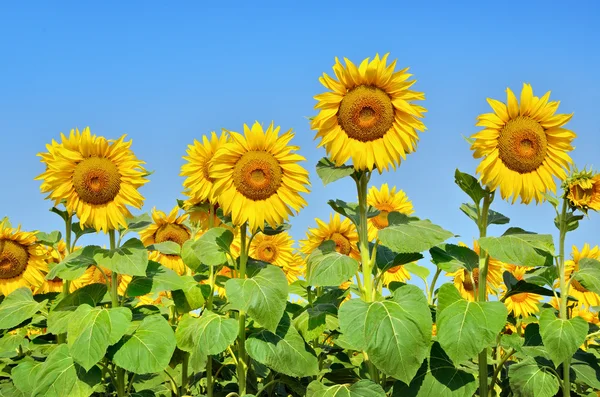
x=74, y=265
x=190, y=297
x=210, y=249
x=531, y=377
x=320, y=316
x=494, y=218
x=409, y=234
x=589, y=274
x=386, y=258
x=327, y=267
x=137, y=223
x=63, y=214
x=465, y=328
x=542, y=276
x=76, y=228
x=92, y=330
x=515, y=287
x=420, y=271
x=131, y=258
x=263, y=296
x=9, y=345
x=571, y=219
x=166, y=247
x=328, y=172
x=17, y=307
x=158, y=278
x=269, y=231
x=206, y=335
x=451, y=257
x=439, y=377
x=49, y=239
x=149, y=349
x=561, y=337
x=60, y=316
x=520, y=248
x=351, y=210
x=586, y=368
x=469, y=185
x=25, y=375
x=284, y=351
x=362, y=388
x=395, y=333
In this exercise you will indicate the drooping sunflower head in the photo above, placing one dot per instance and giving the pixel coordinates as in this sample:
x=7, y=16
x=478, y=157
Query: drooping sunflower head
x=524, y=304
x=277, y=250
x=386, y=201
x=576, y=290
x=583, y=190
x=167, y=228
x=396, y=273
x=22, y=259
x=98, y=178
x=342, y=232
x=199, y=213
x=258, y=178
x=198, y=182
x=368, y=115
x=523, y=146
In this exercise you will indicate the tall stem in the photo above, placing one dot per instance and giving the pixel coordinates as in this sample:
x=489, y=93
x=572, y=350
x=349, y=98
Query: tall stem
x=482, y=288
x=209, y=306
x=61, y=338
x=564, y=293
x=114, y=295
x=242, y=359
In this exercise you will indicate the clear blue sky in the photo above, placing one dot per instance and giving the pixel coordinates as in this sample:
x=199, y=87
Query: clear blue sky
x=165, y=75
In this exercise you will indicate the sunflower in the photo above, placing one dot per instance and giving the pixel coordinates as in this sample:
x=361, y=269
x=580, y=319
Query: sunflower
x=97, y=178
x=277, y=250
x=342, y=233
x=368, y=115
x=583, y=191
x=258, y=178
x=22, y=259
x=523, y=146
x=167, y=228
x=577, y=290
x=396, y=273
x=153, y=299
x=200, y=215
x=93, y=275
x=524, y=304
x=464, y=284
x=198, y=183
x=386, y=201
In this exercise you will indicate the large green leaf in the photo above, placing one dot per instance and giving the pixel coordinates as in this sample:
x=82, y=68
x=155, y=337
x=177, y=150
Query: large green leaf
x=158, y=278
x=515, y=287
x=409, y=234
x=210, y=249
x=328, y=172
x=589, y=274
x=74, y=265
x=49, y=239
x=131, y=258
x=561, y=337
x=206, y=335
x=284, y=351
x=190, y=297
x=531, y=377
x=329, y=268
x=166, y=247
x=24, y=375
x=469, y=185
x=17, y=307
x=587, y=369
x=60, y=315
x=263, y=296
x=395, y=333
x=386, y=258
x=92, y=330
x=319, y=316
x=362, y=388
x=465, y=328
x=494, y=218
x=9, y=345
x=438, y=377
x=351, y=210
x=451, y=257
x=520, y=248
x=150, y=347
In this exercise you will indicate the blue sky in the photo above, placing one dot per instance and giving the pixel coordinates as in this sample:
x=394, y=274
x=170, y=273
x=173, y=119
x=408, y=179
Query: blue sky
x=165, y=75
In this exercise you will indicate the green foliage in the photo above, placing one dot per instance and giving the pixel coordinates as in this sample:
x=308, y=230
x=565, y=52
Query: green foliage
x=588, y=274
x=561, y=337
x=18, y=307
x=327, y=267
x=206, y=335
x=409, y=234
x=520, y=248
x=131, y=258
x=532, y=377
x=362, y=388
x=329, y=173
x=74, y=265
x=469, y=185
x=450, y=257
x=210, y=249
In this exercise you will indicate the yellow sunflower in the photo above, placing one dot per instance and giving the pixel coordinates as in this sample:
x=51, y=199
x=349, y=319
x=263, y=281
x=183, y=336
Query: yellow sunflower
x=22, y=259
x=368, y=115
x=464, y=284
x=577, y=290
x=97, y=177
x=584, y=191
x=167, y=228
x=396, y=273
x=200, y=215
x=524, y=304
x=93, y=275
x=258, y=178
x=342, y=233
x=523, y=146
x=277, y=250
x=198, y=183
x=386, y=201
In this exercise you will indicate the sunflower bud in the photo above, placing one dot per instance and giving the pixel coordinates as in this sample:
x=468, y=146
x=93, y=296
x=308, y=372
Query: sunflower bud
x=582, y=189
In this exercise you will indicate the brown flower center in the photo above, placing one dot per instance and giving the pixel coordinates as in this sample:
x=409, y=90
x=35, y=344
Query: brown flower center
x=519, y=298
x=575, y=284
x=522, y=145
x=267, y=252
x=394, y=269
x=172, y=232
x=381, y=221
x=257, y=175
x=13, y=259
x=342, y=244
x=97, y=180
x=467, y=284
x=366, y=113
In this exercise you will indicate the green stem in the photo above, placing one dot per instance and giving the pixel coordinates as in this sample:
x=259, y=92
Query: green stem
x=499, y=368
x=482, y=289
x=438, y=271
x=62, y=338
x=242, y=359
x=184, y=372
x=209, y=306
x=564, y=293
x=114, y=295
x=173, y=383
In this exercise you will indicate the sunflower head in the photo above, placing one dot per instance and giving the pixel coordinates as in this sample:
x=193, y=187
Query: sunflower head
x=524, y=304
x=368, y=115
x=576, y=289
x=97, y=178
x=523, y=146
x=199, y=213
x=583, y=190
x=342, y=232
x=257, y=177
x=277, y=250
x=386, y=200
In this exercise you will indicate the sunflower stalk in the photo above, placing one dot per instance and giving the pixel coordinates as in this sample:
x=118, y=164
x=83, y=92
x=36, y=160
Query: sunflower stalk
x=62, y=338
x=563, y=313
x=482, y=288
x=242, y=363
x=114, y=286
x=209, y=306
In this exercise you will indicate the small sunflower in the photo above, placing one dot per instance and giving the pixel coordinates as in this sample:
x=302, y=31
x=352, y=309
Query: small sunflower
x=97, y=177
x=396, y=273
x=277, y=250
x=386, y=201
x=258, y=178
x=368, y=115
x=576, y=290
x=524, y=304
x=342, y=233
x=200, y=215
x=583, y=191
x=464, y=284
x=93, y=275
x=523, y=146
x=167, y=228
x=198, y=183
x=22, y=260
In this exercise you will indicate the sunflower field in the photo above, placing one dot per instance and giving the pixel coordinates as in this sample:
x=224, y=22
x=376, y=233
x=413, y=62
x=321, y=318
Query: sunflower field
x=213, y=297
